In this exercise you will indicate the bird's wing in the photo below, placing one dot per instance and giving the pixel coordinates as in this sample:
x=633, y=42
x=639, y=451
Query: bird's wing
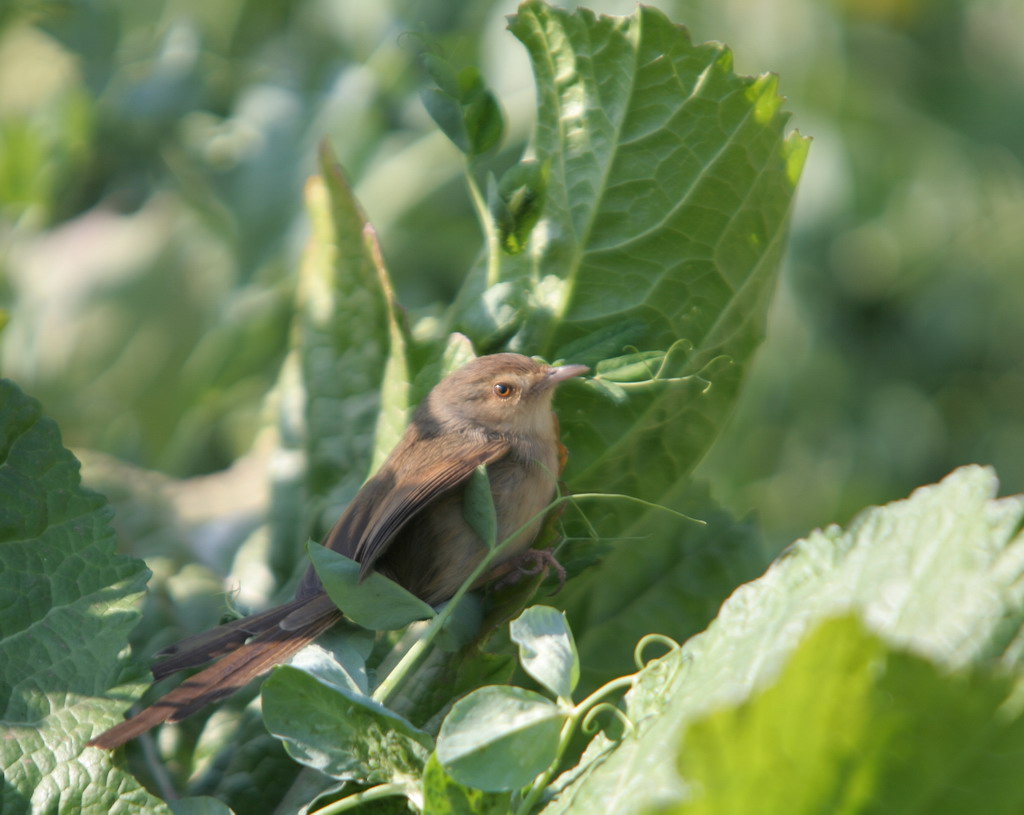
x=441, y=470
x=383, y=505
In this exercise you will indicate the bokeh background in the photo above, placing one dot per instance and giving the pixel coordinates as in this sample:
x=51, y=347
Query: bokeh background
x=153, y=153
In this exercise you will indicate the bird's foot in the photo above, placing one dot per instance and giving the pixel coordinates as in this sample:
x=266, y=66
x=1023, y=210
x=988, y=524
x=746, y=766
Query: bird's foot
x=532, y=562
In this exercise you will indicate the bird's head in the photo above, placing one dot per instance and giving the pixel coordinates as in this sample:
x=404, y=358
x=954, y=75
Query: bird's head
x=507, y=393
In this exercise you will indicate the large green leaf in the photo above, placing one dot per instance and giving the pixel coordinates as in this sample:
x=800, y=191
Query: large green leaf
x=67, y=604
x=348, y=342
x=669, y=183
x=341, y=732
x=937, y=574
x=854, y=727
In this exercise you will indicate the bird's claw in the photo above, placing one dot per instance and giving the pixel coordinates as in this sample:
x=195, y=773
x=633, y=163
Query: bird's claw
x=533, y=562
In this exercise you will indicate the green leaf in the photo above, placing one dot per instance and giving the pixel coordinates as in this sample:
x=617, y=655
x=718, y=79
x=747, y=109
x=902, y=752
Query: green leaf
x=500, y=738
x=68, y=602
x=440, y=69
x=396, y=386
x=855, y=727
x=936, y=575
x=485, y=123
x=446, y=111
x=443, y=795
x=461, y=105
x=463, y=626
x=376, y=602
x=478, y=507
x=322, y=664
x=517, y=203
x=341, y=732
x=337, y=400
x=458, y=351
x=547, y=650
x=491, y=315
x=668, y=189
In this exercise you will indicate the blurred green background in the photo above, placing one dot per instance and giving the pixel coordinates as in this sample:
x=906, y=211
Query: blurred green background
x=153, y=153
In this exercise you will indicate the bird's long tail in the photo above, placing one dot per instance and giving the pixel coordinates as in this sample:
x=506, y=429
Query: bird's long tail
x=280, y=633
x=201, y=648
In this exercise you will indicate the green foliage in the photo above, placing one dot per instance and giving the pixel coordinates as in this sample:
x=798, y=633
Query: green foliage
x=69, y=601
x=547, y=650
x=443, y=795
x=854, y=726
x=500, y=738
x=667, y=310
x=479, y=507
x=152, y=156
x=341, y=732
x=375, y=602
x=870, y=669
x=934, y=578
x=463, y=107
x=517, y=202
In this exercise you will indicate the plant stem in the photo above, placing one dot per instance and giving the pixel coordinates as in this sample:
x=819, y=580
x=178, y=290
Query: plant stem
x=578, y=712
x=483, y=213
x=540, y=784
x=393, y=682
x=371, y=794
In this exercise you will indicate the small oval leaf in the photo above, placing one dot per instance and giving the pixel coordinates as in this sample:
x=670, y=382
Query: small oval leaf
x=377, y=602
x=547, y=649
x=518, y=202
x=500, y=738
x=483, y=121
x=478, y=507
x=446, y=111
x=339, y=731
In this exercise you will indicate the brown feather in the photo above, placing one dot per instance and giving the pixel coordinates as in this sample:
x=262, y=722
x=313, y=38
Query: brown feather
x=221, y=679
x=197, y=650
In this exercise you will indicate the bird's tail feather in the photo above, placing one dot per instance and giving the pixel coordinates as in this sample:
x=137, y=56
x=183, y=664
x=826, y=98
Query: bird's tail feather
x=275, y=645
x=197, y=650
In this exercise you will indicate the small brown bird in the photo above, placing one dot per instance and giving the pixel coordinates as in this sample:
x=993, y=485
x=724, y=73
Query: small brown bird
x=494, y=411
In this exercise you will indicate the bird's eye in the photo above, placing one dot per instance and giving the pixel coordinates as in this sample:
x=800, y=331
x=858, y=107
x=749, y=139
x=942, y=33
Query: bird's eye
x=503, y=390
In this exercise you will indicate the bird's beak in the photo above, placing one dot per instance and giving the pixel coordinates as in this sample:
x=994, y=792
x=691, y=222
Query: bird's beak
x=560, y=373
